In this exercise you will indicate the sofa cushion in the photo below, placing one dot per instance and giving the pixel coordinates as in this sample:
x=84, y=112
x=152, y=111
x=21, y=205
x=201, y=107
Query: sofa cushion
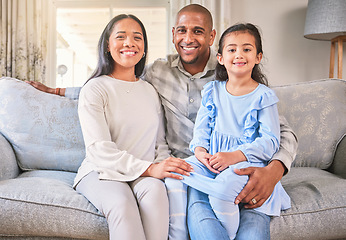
x=43, y=203
x=43, y=129
x=318, y=206
x=316, y=112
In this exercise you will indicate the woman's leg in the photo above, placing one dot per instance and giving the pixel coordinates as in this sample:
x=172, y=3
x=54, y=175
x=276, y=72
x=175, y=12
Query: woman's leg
x=116, y=202
x=153, y=206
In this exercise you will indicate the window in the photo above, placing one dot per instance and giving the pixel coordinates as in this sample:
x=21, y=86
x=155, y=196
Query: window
x=79, y=25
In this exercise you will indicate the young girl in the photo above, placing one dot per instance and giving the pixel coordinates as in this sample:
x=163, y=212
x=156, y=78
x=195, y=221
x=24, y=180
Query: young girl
x=237, y=126
x=122, y=125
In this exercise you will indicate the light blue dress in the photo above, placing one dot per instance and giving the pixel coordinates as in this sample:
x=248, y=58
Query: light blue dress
x=227, y=123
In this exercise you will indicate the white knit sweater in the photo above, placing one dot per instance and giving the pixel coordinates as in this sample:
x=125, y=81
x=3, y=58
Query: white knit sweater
x=122, y=125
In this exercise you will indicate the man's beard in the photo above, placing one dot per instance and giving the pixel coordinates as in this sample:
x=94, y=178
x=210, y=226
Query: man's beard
x=189, y=62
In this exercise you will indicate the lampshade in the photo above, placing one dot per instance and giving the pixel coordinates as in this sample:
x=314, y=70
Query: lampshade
x=325, y=19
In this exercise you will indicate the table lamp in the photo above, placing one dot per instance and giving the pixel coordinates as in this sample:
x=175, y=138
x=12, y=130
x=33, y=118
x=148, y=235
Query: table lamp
x=326, y=20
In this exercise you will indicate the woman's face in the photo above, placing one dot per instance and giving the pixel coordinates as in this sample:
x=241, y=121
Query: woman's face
x=126, y=43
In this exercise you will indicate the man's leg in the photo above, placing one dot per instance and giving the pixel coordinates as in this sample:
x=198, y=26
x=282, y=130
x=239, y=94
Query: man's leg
x=253, y=225
x=201, y=220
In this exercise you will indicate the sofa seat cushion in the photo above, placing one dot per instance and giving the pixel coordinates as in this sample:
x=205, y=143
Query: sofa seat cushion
x=43, y=203
x=318, y=206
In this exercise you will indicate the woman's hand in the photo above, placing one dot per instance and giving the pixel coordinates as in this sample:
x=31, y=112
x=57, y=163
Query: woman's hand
x=167, y=168
x=221, y=160
x=203, y=156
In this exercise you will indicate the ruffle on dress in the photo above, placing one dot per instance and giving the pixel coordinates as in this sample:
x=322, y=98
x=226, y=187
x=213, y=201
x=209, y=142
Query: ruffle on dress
x=208, y=102
x=266, y=99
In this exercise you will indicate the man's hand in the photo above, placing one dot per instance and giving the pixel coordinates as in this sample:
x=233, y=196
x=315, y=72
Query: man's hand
x=165, y=168
x=260, y=186
x=41, y=87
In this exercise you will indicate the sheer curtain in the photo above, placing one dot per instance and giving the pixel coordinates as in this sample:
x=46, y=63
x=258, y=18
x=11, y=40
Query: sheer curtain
x=220, y=10
x=23, y=39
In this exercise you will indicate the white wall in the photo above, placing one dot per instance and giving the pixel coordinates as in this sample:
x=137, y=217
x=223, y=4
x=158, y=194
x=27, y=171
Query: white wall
x=289, y=57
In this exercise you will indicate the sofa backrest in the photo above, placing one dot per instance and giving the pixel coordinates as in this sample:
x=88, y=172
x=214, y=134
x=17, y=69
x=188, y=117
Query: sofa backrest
x=42, y=128
x=45, y=133
x=316, y=111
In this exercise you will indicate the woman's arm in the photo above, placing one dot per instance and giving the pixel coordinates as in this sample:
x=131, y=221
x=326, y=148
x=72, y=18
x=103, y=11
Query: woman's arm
x=111, y=162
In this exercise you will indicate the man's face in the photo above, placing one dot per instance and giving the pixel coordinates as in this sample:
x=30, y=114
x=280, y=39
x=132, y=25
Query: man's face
x=192, y=37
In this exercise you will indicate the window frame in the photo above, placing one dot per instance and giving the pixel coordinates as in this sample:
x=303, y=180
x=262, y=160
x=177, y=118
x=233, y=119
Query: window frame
x=53, y=5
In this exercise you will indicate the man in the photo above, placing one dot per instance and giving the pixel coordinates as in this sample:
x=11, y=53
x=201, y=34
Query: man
x=179, y=80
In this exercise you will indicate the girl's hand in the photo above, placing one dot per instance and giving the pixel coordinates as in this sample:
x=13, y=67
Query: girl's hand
x=166, y=168
x=203, y=156
x=222, y=160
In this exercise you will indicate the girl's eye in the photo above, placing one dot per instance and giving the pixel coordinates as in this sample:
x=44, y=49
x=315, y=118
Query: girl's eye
x=120, y=37
x=138, y=38
x=231, y=50
x=247, y=50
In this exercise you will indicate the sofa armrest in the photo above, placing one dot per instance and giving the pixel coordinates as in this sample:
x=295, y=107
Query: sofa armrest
x=8, y=164
x=339, y=164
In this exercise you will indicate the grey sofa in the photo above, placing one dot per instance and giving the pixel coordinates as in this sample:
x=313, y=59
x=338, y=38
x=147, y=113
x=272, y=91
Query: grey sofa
x=41, y=147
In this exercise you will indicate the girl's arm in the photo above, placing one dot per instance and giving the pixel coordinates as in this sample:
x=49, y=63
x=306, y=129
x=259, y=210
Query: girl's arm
x=268, y=141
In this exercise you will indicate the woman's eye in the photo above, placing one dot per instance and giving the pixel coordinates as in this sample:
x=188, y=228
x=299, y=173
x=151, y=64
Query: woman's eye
x=247, y=50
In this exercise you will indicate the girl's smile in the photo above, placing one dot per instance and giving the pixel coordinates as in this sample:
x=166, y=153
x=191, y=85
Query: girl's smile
x=239, y=54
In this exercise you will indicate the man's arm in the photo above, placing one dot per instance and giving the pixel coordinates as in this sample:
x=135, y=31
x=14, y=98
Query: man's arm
x=71, y=93
x=263, y=180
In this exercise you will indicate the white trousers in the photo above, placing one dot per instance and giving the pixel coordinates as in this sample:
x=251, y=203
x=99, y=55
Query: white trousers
x=134, y=210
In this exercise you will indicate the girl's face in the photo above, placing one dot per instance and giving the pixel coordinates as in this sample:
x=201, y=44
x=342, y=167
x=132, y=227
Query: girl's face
x=126, y=43
x=239, y=54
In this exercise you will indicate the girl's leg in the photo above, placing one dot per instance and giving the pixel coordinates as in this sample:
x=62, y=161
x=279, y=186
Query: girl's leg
x=228, y=185
x=153, y=206
x=228, y=214
x=201, y=218
x=116, y=202
x=177, y=196
x=254, y=225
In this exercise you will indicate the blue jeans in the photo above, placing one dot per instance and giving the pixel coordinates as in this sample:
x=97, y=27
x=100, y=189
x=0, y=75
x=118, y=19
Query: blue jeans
x=203, y=224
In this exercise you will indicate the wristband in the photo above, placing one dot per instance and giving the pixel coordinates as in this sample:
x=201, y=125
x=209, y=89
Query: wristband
x=57, y=91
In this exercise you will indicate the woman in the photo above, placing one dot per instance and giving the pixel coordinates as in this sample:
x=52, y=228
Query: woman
x=122, y=124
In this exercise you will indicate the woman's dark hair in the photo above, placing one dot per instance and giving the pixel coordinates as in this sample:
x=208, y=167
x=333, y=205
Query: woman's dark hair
x=257, y=75
x=105, y=64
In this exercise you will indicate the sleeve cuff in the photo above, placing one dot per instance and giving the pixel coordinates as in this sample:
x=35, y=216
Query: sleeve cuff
x=72, y=92
x=283, y=156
